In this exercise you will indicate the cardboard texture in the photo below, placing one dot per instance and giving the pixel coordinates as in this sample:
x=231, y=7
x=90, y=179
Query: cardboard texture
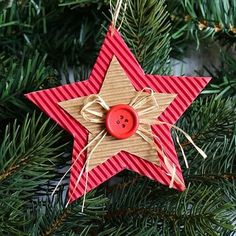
x=52, y=100
x=117, y=89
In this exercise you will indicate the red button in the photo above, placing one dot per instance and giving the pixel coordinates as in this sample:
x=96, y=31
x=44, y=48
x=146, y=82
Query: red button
x=122, y=121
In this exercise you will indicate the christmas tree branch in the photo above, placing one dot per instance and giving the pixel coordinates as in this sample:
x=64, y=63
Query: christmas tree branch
x=5, y=4
x=146, y=30
x=12, y=214
x=28, y=28
x=26, y=146
x=56, y=223
x=12, y=169
x=219, y=164
x=207, y=119
x=18, y=77
x=52, y=217
x=144, y=212
x=212, y=177
x=83, y=3
x=204, y=19
x=43, y=44
x=223, y=83
x=186, y=211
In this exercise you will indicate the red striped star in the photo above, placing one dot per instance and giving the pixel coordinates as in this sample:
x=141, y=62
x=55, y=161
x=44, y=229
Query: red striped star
x=186, y=89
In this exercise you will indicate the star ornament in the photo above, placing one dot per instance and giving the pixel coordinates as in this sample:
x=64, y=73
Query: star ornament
x=118, y=78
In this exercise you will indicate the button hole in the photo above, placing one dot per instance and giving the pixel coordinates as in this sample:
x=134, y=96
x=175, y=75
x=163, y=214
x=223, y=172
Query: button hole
x=121, y=117
x=126, y=120
x=123, y=125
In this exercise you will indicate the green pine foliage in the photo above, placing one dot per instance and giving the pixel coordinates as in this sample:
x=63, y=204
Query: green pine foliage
x=47, y=43
x=146, y=26
x=29, y=152
x=225, y=84
x=5, y=4
x=24, y=147
x=50, y=217
x=199, y=20
x=21, y=76
x=82, y=3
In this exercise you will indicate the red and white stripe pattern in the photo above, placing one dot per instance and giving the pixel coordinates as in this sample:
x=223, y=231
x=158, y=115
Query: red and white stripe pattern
x=186, y=88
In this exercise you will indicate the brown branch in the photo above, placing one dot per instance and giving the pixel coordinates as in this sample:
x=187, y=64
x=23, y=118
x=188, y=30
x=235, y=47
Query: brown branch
x=162, y=214
x=203, y=24
x=226, y=176
x=143, y=211
x=13, y=169
x=124, y=184
x=56, y=223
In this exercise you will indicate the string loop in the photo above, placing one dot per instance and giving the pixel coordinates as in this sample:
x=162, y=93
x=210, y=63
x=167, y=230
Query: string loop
x=115, y=12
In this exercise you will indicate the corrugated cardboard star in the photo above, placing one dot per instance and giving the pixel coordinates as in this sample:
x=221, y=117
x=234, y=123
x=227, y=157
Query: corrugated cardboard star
x=186, y=89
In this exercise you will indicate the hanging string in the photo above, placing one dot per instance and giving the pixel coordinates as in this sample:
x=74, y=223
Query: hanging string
x=138, y=102
x=169, y=165
x=86, y=114
x=115, y=12
x=187, y=136
x=182, y=150
x=85, y=164
x=85, y=167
